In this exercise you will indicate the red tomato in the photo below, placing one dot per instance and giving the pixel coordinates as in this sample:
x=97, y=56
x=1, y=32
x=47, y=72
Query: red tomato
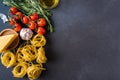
x=19, y=15
x=13, y=10
x=41, y=30
x=32, y=25
x=41, y=22
x=12, y=21
x=25, y=19
x=34, y=16
x=18, y=27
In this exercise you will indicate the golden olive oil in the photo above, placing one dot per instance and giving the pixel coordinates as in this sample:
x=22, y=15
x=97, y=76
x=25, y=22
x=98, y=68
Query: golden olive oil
x=49, y=3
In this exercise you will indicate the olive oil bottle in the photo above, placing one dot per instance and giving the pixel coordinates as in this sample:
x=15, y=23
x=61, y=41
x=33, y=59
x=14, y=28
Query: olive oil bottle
x=49, y=3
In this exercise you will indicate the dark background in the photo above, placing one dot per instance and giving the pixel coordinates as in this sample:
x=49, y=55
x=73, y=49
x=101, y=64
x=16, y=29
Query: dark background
x=85, y=44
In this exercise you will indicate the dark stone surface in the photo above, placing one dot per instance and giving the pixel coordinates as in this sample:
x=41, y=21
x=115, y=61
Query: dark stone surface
x=85, y=44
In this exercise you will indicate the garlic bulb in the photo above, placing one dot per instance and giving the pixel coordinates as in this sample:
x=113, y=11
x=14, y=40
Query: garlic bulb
x=26, y=33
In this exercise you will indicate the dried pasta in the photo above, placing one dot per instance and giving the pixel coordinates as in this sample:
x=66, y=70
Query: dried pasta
x=38, y=40
x=28, y=59
x=8, y=59
x=20, y=70
x=41, y=58
x=34, y=71
x=20, y=55
x=29, y=52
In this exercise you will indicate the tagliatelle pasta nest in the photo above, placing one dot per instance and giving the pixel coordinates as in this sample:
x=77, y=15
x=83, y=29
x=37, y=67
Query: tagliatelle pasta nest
x=29, y=52
x=20, y=70
x=8, y=59
x=34, y=71
x=28, y=59
x=38, y=40
x=41, y=58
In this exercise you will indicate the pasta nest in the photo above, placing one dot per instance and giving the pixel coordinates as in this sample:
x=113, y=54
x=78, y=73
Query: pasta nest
x=38, y=40
x=8, y=59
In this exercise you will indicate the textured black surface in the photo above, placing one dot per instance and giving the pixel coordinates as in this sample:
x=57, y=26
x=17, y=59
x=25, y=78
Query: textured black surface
x=85, y=44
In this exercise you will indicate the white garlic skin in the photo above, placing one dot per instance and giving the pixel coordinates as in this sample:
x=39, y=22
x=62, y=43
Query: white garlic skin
x=26, y=34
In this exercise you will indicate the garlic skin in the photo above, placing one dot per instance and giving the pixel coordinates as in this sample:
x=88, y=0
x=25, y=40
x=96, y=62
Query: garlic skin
x=3, y=17
x=26, y=34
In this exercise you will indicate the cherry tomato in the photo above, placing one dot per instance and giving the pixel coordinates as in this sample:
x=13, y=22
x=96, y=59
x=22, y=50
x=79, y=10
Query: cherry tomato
x=19, y=15
x=41, y=30
x=13, y=10
x=32, y=25
x=18, y=27
x=34, y=16
x=25, y=20
x=12, y=21
x=41, y=22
